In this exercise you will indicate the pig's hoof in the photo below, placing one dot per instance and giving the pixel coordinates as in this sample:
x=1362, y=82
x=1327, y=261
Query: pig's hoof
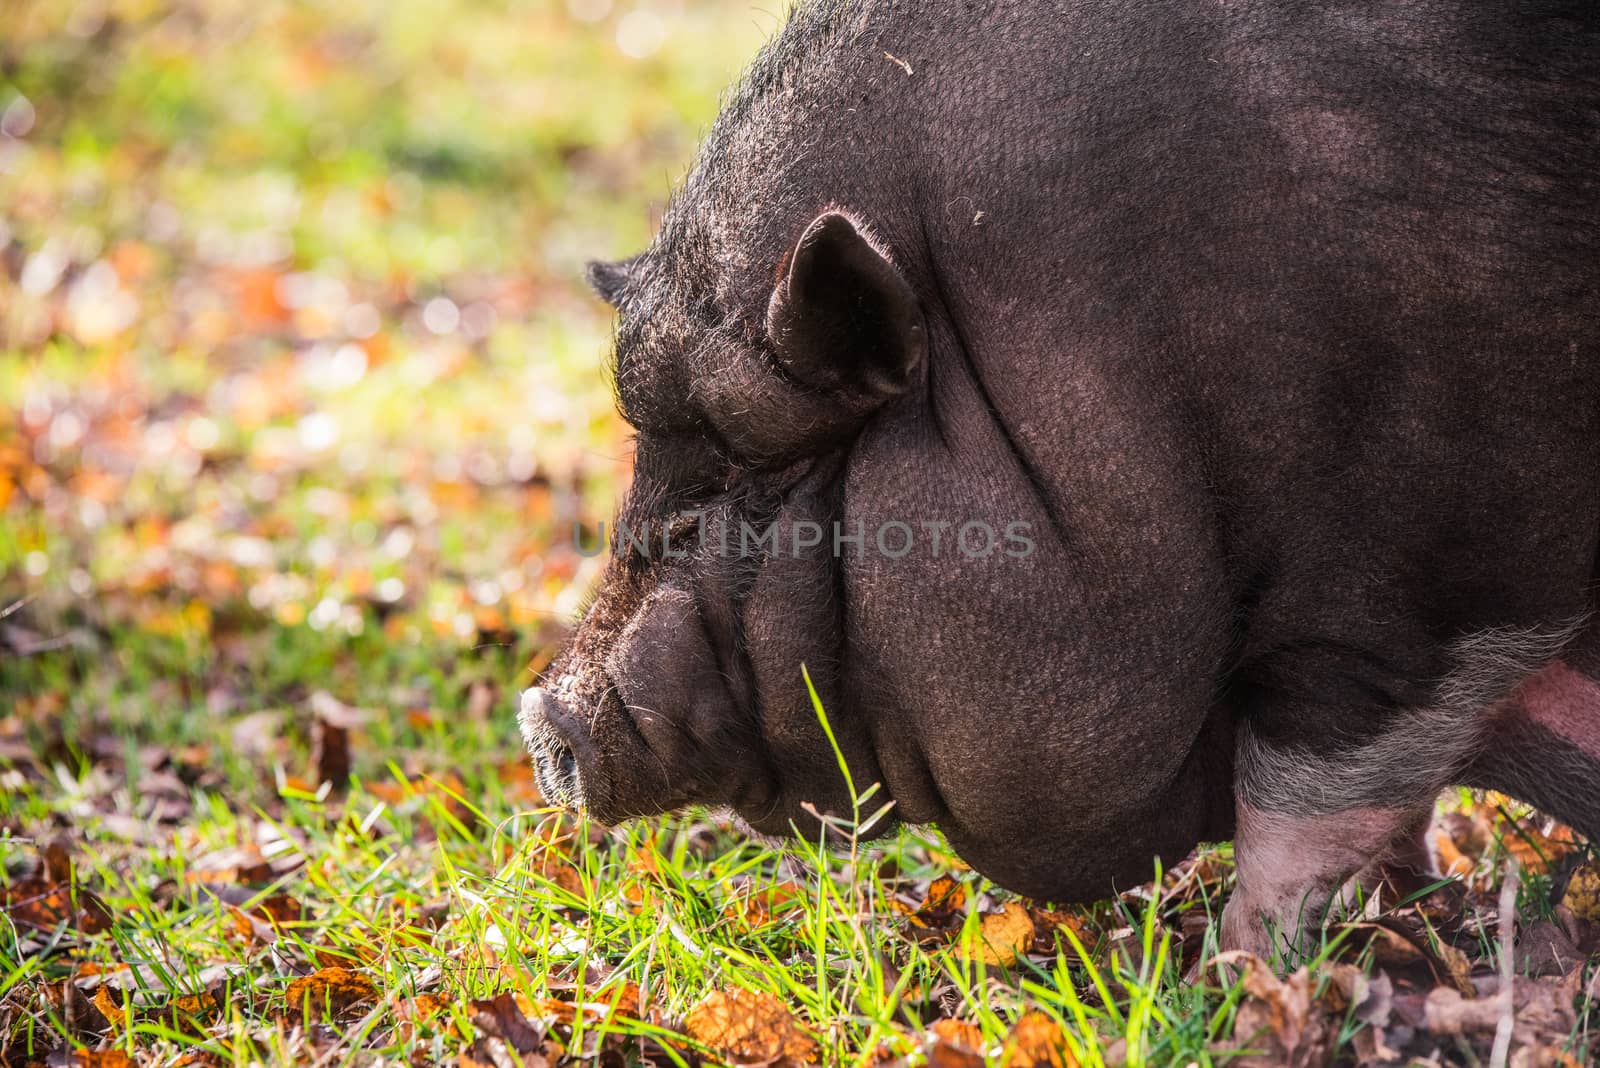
x=1283, y=938
x=1242, y=930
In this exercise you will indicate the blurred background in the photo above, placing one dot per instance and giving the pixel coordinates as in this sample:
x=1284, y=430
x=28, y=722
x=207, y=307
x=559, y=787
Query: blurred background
x=300, y=387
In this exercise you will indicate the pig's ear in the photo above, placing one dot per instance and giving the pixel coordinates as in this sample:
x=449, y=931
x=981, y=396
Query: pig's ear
x=610, y=279
x=843, y=317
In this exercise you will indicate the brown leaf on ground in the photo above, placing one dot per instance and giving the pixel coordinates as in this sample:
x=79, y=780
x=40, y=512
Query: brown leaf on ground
x=508, y=1016
x=943, y=907
x=422, y=1007
x=1543, y=949
x=1049, y=925
x=191, y=1012
x=68, y=1003
x=279, y=909
x=1369, y=999
x=232, y=864
x=491, y=1052
x=1541, y=1010
x=749, y=1027
x=84, y=1058
x=44, y=905
x=1459, y=840
x=1582, y=895
x=954, y=1044
x=56, y=861
x=330, y=754
x=1398, y=946
x=331, y=723
x=194, y=1011
x=1002, y=936
x=329, y=991
x=1275, y=1022
x=110, y=1006
x=1446, y=1012
x=767, y=904
x=425, y=794
x=618, y=1001
x=558, y=869
x=1036, y=1041
x=1537, y=842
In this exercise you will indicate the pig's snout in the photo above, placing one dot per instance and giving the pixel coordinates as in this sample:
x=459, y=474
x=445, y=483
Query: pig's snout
x=555, y=739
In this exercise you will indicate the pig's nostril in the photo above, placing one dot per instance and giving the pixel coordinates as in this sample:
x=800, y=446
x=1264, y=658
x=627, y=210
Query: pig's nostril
x=566, y=765
x=550, y=730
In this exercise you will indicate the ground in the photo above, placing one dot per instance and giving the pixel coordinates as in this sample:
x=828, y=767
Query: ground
x=301, y=399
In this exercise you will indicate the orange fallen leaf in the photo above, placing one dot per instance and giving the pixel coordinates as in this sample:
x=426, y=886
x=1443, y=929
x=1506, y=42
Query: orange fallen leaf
x=333, y=990
x=110, y=1007
x=1452, y=861
x=749, y=1027
x=957, y=1032
x=201, y=1009
x=233, y=864
x=1002, y=936
x=955, y=1044
x=943, y=907
x=620, y=1001
x=1036, y=1041
x=1539, y=849
x=106, y=1058
x=1048, y=922
x=40, y=903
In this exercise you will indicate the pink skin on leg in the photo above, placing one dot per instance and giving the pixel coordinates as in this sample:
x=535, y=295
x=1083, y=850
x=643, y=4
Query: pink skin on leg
x=1566, y=703
x=1290, y=867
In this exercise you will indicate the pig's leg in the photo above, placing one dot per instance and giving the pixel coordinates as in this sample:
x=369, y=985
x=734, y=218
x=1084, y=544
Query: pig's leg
x=1311, y=815
x=1291, y=866
x=1543, y=744
x=1310, y=818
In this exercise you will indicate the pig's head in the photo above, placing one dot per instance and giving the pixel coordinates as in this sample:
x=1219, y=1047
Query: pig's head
x=747, y=386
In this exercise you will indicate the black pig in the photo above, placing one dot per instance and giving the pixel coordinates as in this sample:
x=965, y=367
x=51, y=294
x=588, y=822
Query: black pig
x=1260, y=341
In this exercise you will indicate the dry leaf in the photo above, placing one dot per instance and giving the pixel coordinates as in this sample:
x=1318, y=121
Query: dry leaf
x=961, y=1033
x=330, y=754
x=1583, y=892
x=954, y=1044
x=333, y=990
x=106, y=1058
x=1036, y=1041
x=43, y=904
x=110, y=1006
x=1446, y=1012
x=1003, y=936
x=1538, y=848
x=1543, y=949
x=508, y=1017
x=767, y=904
x=1275, y=1019
x=1047, y=923
x=748, y=1027
x=943, y=908
x=620, y=1001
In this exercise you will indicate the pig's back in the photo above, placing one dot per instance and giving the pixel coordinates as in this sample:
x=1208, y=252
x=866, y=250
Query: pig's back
x=1338, y=266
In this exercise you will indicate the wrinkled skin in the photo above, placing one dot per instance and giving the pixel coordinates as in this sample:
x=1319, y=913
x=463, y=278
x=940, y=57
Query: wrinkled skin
x=1278, y=326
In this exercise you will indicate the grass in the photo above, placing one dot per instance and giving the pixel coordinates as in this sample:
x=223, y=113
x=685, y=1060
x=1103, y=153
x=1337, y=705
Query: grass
x=303, y=402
